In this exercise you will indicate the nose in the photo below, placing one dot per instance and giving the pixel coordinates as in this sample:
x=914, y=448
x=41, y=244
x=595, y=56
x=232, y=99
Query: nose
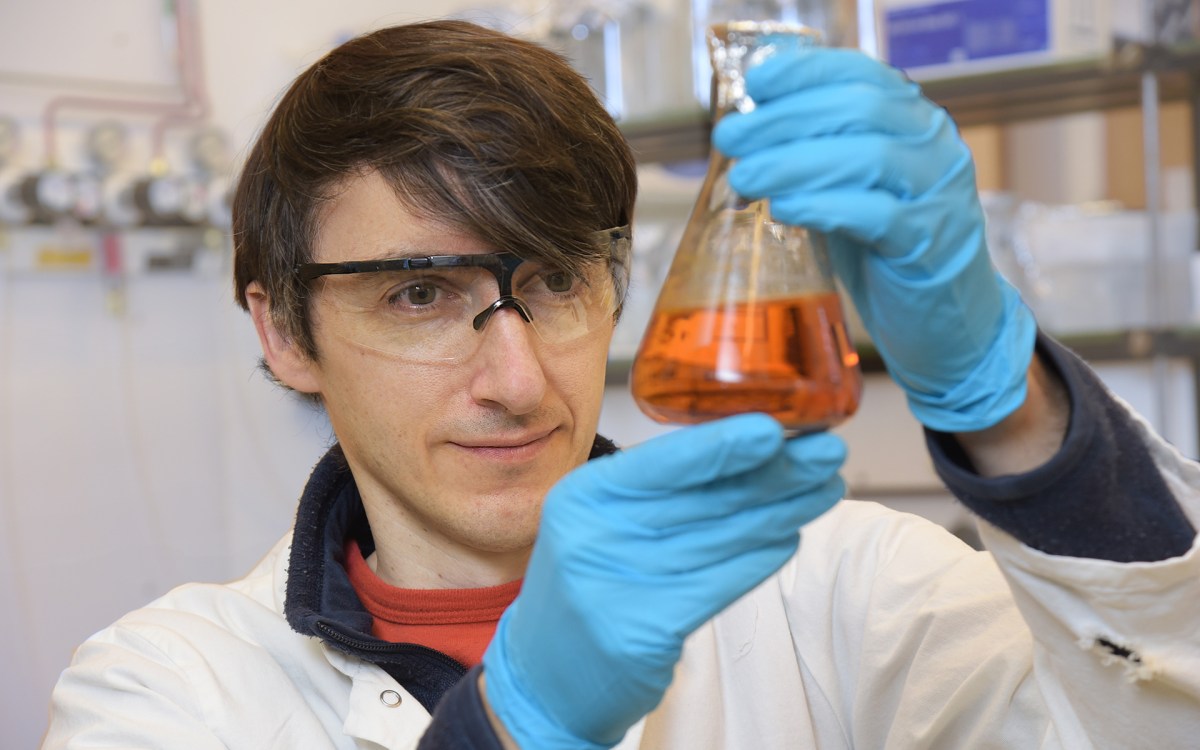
x=507, y=370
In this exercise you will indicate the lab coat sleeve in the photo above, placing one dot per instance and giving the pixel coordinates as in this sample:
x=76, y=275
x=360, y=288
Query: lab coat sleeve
x=1105, y=495
x=216, y=666
x=1099, y=549
x=907, y=638
x=122, y=691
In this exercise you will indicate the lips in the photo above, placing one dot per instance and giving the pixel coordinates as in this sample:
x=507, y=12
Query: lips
x=501, y=442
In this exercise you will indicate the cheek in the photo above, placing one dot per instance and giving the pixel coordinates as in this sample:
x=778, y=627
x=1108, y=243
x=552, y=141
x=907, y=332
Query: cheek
x=579, y=376
x=371, y=394
x=410, y=397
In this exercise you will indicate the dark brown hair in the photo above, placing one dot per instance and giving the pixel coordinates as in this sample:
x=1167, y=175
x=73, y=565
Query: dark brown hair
x=489, y=134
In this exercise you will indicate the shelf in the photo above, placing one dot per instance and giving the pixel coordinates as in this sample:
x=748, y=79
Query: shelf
x=672, y=137
x=1066, y=87
x=1135, y=344
x=1050, y=90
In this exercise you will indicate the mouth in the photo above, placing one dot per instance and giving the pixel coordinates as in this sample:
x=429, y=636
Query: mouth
x=517, y=447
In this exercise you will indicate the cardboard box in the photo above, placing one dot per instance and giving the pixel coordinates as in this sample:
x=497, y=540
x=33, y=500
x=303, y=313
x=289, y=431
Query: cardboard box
x=961, y=37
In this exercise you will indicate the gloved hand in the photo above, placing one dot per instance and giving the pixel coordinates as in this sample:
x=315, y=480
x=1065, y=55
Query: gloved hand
x=635, y=551
x=843, y=144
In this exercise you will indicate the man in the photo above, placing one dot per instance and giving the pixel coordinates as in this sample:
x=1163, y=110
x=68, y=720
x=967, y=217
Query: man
x=431, y=237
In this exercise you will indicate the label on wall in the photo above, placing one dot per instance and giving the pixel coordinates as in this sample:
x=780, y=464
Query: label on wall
x=921, y=34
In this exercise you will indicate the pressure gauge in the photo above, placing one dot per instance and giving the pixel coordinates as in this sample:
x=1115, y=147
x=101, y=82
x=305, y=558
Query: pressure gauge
x=49, y=194
x=210, y=151
x=107, y=143
x=162, y=200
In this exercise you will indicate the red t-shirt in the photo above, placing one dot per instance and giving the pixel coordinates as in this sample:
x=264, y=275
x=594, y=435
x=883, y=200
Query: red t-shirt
x=458, y=622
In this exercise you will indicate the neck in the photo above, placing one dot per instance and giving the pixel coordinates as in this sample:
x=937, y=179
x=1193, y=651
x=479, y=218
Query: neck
x=421, y=561
x=452, y=536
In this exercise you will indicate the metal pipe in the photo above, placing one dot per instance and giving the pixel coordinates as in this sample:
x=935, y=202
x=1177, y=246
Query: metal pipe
x=166, y=109
x=1151, y=171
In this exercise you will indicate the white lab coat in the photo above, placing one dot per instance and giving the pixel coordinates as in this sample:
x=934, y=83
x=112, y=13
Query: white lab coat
x=883, y=631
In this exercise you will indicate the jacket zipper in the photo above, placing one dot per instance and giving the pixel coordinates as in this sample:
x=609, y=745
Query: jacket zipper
x=383, y=647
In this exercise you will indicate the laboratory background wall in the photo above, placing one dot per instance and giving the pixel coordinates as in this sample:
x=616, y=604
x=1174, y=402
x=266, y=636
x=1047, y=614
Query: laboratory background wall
x=141, y=447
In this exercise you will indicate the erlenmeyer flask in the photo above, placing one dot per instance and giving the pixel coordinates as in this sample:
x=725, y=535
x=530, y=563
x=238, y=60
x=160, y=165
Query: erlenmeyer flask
x=749, y=318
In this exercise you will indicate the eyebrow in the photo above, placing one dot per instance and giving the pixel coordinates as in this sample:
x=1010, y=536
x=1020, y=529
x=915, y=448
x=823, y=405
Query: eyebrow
x=396, y=254
x=404, y=253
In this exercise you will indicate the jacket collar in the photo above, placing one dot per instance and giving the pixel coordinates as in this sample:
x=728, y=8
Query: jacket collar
x=319, y=599
x=317, y=585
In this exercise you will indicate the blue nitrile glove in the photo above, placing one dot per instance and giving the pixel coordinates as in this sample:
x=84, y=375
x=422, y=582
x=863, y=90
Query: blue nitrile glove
x=635, y=551
x=846, y=145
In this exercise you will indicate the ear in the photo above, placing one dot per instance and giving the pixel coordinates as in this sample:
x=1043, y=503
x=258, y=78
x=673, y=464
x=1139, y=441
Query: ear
x=287, y=361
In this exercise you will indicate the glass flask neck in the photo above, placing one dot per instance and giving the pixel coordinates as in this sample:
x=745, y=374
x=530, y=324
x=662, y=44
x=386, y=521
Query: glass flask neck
x=737, y=46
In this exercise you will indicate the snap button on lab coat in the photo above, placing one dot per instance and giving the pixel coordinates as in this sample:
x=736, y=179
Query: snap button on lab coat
x=390, y=698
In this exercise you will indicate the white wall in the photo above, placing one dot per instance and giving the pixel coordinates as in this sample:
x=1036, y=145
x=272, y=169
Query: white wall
x=138, y=449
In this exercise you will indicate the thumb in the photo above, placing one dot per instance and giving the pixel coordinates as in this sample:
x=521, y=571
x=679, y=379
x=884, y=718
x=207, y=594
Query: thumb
x=692, y=456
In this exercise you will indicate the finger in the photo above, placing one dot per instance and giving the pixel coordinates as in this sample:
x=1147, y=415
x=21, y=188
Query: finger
x=866, y=216
x=688, y=457
x=714, y=541
x=788, y=72
x=901, y=264
x=893, y=227
x=831, y=110
x=803, y=465
x=692, y=597
x=905, y=166
x=822, y=453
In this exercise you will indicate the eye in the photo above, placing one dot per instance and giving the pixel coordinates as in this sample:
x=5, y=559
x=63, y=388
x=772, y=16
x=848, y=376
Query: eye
x=559, y=281
x=417, y=295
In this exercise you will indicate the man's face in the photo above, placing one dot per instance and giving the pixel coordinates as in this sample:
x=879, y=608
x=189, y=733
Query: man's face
x=453, y=459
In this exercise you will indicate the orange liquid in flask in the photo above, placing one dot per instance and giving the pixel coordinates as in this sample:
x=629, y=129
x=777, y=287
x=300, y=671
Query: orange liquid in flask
x=790, y=358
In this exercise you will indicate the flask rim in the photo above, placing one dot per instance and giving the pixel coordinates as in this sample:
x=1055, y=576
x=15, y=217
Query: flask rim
x=765, y=27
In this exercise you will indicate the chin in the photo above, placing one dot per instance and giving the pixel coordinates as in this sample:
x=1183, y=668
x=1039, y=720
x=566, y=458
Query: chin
x=500, y=538
x=504, y=522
